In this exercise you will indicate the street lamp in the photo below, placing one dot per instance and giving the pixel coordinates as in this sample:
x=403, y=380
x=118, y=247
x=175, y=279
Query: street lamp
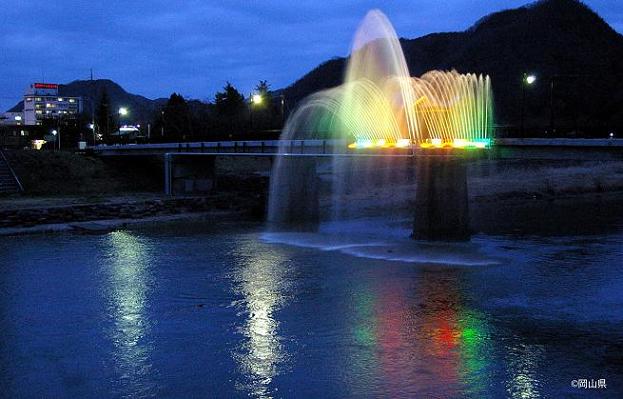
x=526, y=80
x=92, y=127
x=54, y=133
x=123, y=111
x=256, y=99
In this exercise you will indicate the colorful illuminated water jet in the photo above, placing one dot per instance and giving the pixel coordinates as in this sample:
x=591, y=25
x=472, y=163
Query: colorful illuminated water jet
x=381, y=105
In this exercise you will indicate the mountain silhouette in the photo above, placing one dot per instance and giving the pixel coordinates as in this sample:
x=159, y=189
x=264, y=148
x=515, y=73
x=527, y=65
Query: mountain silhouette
x=563, y=41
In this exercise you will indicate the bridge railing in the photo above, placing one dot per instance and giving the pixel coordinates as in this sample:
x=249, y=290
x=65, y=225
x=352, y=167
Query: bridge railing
x=257, y=146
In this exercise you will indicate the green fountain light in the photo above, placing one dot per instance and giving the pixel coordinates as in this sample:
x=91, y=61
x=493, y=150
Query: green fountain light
x=380, y=105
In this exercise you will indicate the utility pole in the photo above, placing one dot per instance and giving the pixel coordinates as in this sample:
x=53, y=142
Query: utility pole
x=93, y=94
x=525, y=80
x=551, y=105
x=59, y=131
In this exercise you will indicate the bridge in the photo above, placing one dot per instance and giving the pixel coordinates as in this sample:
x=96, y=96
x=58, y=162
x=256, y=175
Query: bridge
x=441, y=198
x=506, y=148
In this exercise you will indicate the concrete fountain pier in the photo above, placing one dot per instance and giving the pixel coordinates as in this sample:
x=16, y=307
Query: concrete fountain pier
x=442, y=202
x=297, y=207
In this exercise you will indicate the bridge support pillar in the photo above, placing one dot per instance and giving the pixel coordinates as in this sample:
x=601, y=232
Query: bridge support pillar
x=441, y=205
x=189, y=175
x=295, y=203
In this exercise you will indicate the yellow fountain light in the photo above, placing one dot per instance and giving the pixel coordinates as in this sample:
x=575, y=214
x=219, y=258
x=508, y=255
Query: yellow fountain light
x=403, y=143
x=382, y=143
x=362, y=143
x=457, y=143
x=460, y=143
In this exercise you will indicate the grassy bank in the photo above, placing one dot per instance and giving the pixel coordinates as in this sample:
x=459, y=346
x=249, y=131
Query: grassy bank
x=543, y=179
x=65, y=173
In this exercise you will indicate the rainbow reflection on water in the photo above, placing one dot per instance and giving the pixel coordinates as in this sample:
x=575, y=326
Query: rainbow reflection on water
x=380, y=105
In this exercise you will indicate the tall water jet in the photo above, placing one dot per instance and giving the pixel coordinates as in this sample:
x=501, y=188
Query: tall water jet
x=379, y=108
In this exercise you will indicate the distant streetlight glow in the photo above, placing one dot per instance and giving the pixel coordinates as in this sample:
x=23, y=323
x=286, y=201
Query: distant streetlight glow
x=256, y=99
x=123, y=111
x=54, y=132
x=530, y=79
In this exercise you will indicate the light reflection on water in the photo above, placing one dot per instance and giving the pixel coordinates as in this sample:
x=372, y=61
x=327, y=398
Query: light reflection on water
x=523, y=362
x=261, y=279
x=422, y=338
x=128, y=289
x=224, y=314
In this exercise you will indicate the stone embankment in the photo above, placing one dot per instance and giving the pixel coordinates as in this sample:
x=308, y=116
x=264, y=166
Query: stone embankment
x=28, y=217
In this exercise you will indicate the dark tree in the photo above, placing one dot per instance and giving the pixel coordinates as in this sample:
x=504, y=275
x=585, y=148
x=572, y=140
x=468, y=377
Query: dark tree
x=263, y=89
x=263, y=113
x=176, y=119
x=229, y=106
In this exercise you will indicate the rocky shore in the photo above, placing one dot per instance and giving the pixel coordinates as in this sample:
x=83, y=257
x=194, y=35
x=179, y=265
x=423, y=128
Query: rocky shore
x=249, y=205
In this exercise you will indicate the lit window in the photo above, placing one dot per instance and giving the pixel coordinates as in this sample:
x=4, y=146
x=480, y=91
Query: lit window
x=71, y=100
x=60, y=99
x=38, y=99
x=28, y=99
x=39, y=111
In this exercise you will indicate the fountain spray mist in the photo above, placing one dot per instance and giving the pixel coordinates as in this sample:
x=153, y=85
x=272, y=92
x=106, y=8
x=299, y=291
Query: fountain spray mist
x=380, y=105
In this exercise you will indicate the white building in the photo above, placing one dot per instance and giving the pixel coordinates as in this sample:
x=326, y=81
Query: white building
x=42, y=101
x=12, y=119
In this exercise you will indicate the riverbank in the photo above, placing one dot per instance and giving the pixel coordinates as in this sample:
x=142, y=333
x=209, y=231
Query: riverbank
x=505, y=196
x=107, y=225
x=33, y=215
x=64, y=173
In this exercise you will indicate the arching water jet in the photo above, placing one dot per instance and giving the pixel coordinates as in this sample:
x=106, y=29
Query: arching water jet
x=381, y=108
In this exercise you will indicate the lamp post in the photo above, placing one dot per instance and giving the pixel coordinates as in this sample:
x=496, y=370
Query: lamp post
x=283, y=113
x=123, y=111
x=256, y=99
x=60, y=121
x=54, y=133
x=526, y=80
x=92, y=127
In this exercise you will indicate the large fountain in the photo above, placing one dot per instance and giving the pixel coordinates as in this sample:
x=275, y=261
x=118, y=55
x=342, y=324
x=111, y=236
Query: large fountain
x=381, y=110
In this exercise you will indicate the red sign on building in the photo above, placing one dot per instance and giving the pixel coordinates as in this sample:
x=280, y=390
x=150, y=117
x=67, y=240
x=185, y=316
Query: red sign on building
x=46, y=86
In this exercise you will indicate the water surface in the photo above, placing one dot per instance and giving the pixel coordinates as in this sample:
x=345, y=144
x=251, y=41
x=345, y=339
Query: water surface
x=216, y=310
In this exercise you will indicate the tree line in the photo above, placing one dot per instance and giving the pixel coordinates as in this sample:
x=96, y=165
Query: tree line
x=229, y=115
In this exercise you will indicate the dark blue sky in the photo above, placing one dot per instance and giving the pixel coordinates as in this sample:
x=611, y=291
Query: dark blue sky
x=193, y=47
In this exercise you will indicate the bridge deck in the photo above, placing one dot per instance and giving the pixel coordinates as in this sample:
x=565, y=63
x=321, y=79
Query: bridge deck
x=510, y=148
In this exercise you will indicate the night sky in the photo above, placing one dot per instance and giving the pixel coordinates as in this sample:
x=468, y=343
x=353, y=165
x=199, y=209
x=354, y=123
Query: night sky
x=156, y=47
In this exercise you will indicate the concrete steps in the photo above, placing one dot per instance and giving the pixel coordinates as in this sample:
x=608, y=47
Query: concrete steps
x=8, y=183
